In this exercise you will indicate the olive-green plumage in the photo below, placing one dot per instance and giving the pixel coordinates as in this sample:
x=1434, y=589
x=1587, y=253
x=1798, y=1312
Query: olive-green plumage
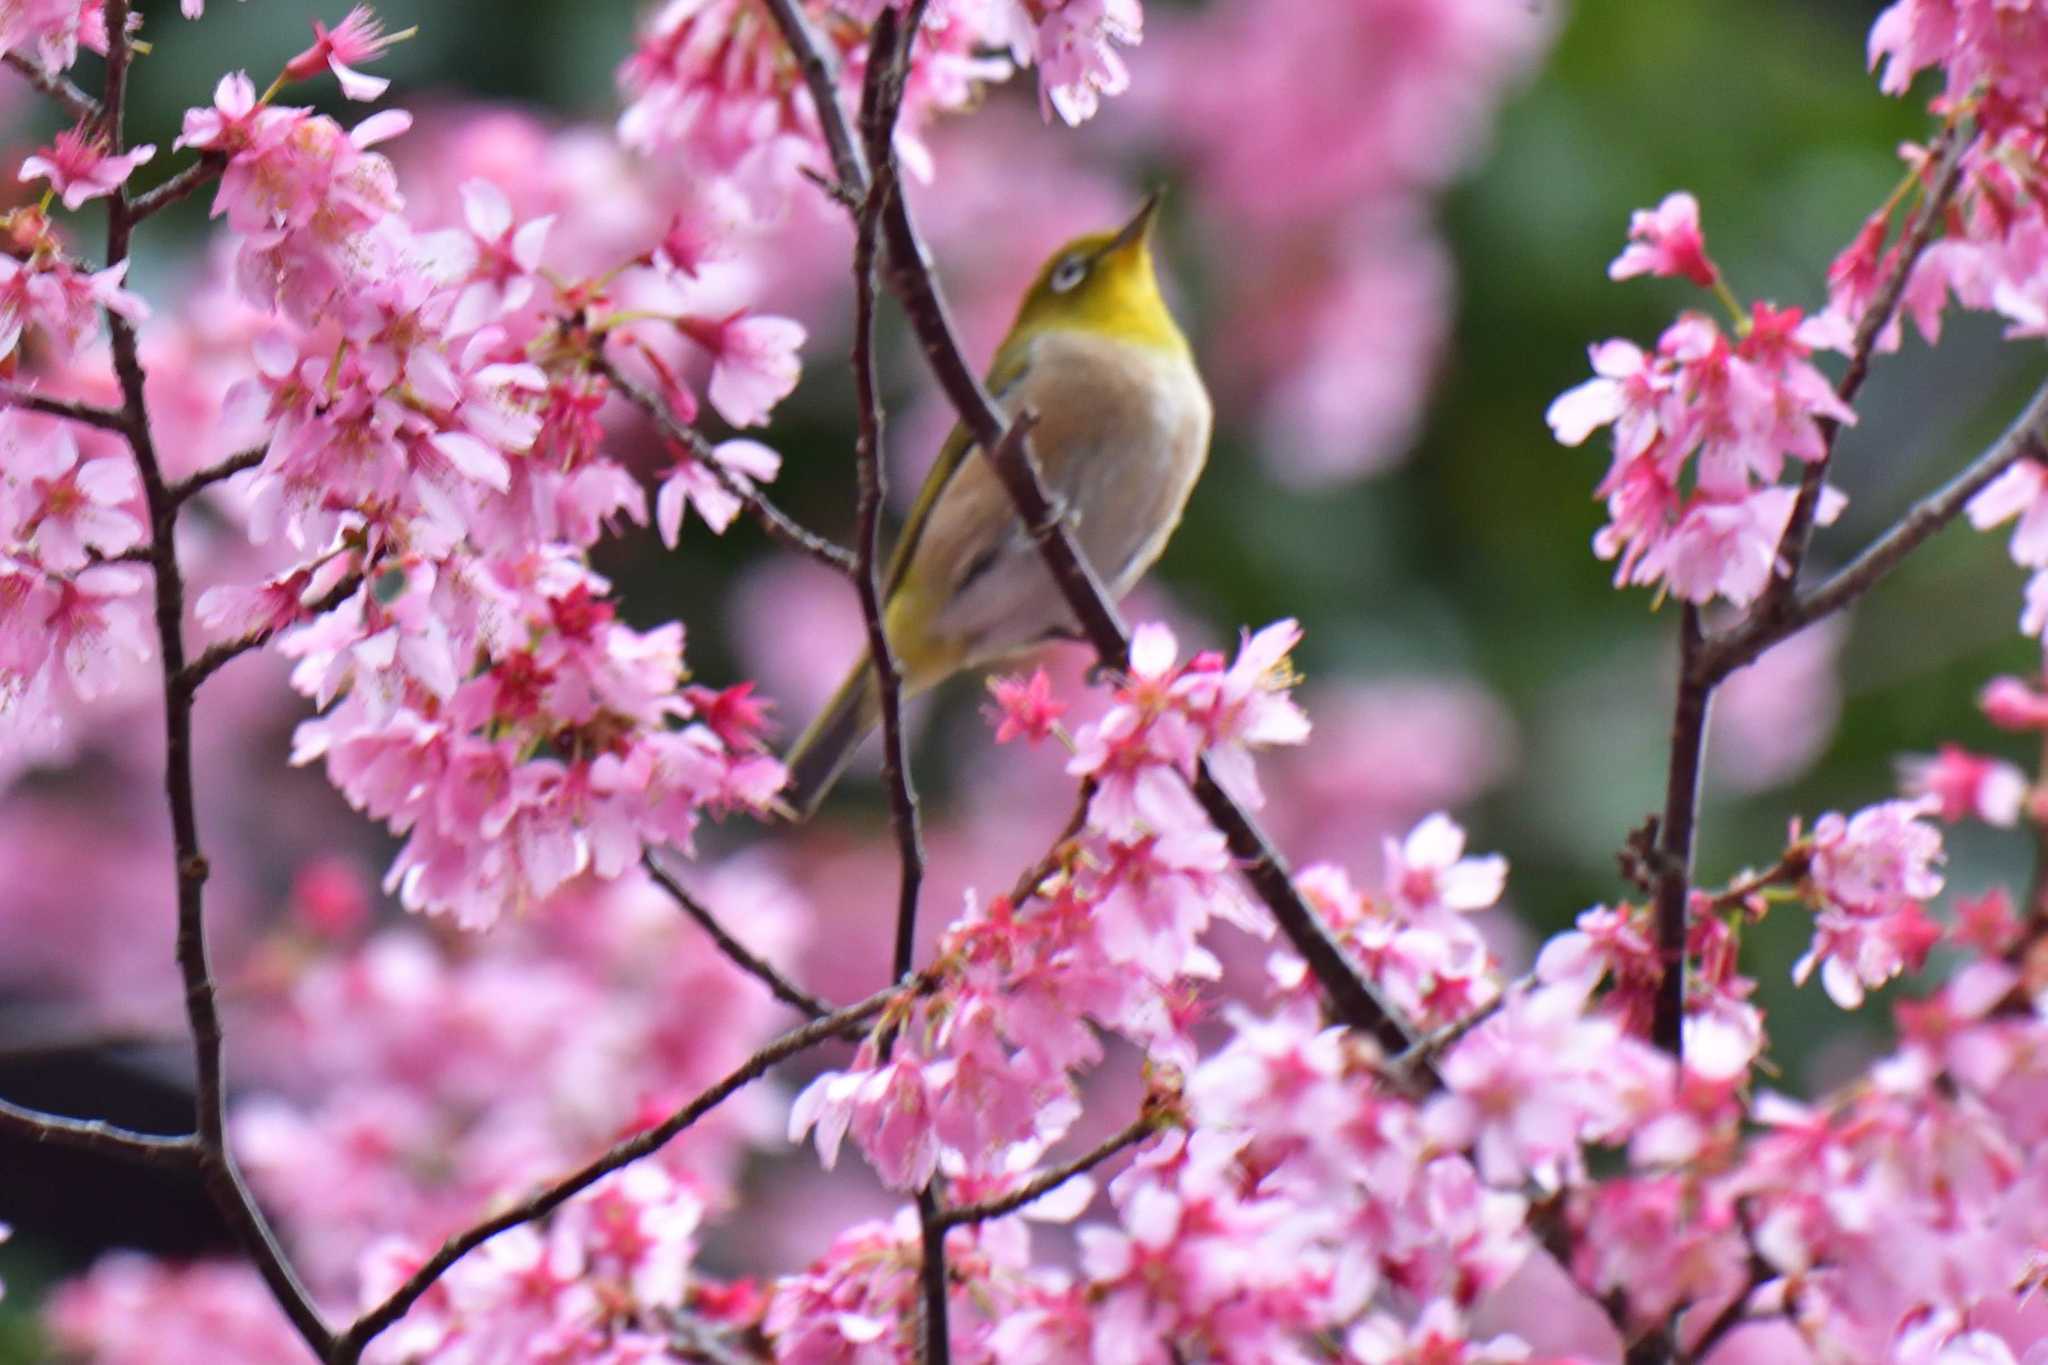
x=1122, y=434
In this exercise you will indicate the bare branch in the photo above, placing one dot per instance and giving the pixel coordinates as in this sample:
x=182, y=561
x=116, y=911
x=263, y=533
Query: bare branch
x=1950, y=149
x=223, y=1180
x=821, y=78
x=226, y=652
x=75, y=102
x=879, y=104
x=1045, y=1182
x=106, y=419
x=778, y=985
x=778, y=524
x=206, y=478
x=206, y=169
x=94, y=1135
x=2026, y=437
x=349, y=1347
x=1673, y=869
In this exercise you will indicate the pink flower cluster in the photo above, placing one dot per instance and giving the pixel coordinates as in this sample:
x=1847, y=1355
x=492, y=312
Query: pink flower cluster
x=74, y=623
x=50, y=32
x=710, y=80
x=1869, y=878
x=1728, y=414
x=432, y=421
x=598, y=1283
x=983, y=1063
x=410, y=1091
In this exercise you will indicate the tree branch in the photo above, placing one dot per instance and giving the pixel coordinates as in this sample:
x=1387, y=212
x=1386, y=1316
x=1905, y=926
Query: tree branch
x=778, y=985
x=349, y=1347
x=106, y=419
x=778, y=524
x=2026, y=437
x=75, y=102
x=1675, y=834
x=184, y=491
x=880, y=96
x=216, y=1162
x=821, y=77
x=1953, y=147
x=218, y=656
x=1045, y=1182
x=95, y=1135
x=207, y=168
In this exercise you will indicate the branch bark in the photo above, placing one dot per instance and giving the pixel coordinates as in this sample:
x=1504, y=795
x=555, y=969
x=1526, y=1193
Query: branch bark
x=1949, y=153
x=755, y=966
x=1045, y=1182
x=222, y=1177
x=97, y=1136
x=75, y=102
x=772, y=519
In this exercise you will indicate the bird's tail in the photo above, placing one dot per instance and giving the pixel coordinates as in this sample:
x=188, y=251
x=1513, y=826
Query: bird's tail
x=822, y=752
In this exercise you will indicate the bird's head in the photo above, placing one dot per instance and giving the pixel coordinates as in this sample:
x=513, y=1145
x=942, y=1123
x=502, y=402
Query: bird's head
x=1105, y=283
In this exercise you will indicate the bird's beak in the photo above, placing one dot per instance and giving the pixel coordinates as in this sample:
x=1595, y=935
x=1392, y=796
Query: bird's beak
x=1139, y=229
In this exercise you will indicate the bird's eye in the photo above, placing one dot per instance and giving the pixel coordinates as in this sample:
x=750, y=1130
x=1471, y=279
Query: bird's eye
x=1069, y=273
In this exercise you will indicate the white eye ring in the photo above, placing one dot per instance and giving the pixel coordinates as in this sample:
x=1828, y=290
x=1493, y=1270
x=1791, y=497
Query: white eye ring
x=1068, y=273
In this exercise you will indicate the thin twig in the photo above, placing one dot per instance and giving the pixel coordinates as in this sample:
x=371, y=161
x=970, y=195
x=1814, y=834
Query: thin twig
x=777, y=523
x=349, y=1347
x=2027, y=437
x=1675, y=834
x=222, y=1178
x=780, y=986
x=821, y=77
x=1045, y=1182
x=878, y=118
x=187, y=489
x=1055, y=855
x=106, y=419
x=81, y=106
x=881, y=101
x=95, y=1135
x=1952, y=150
x=218, y=656
x=206, y=169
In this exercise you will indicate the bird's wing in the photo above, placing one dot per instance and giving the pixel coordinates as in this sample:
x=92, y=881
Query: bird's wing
x=1012, y=364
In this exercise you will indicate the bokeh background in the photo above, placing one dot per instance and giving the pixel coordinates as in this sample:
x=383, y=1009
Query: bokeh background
x=1383, y=336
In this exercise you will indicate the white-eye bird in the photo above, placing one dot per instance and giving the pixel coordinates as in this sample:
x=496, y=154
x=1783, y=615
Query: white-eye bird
x=1122, y=434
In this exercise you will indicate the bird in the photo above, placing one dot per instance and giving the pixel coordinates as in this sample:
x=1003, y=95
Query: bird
x=1122, y=434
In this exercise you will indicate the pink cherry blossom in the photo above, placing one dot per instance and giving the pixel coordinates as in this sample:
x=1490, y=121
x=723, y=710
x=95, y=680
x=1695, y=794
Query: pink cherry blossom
x=1967, y=785
x=1024, y=708
x=358, y=38
x=80, y=166
x=1666, y=241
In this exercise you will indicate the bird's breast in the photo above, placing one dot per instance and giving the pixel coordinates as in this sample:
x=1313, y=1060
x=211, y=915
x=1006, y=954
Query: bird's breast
x=1122, y=435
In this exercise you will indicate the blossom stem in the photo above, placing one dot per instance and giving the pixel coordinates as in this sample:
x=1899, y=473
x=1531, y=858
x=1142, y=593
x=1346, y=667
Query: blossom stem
x=218, y=1169
x=348, y=1348
x=778, y=985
